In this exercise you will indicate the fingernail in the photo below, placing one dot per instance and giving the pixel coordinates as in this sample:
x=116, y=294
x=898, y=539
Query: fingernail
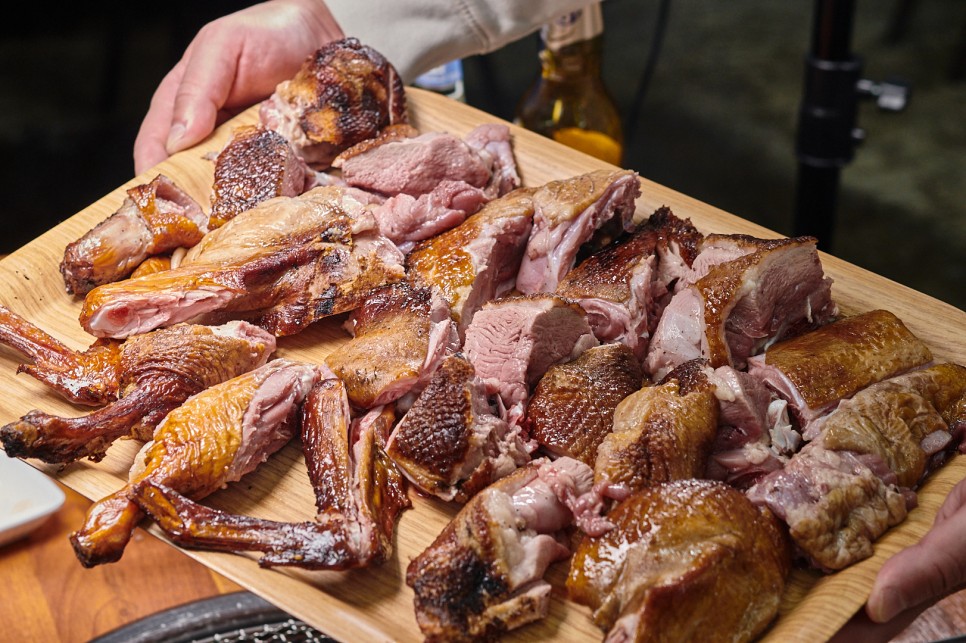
x=174, y=138
x=893, y=604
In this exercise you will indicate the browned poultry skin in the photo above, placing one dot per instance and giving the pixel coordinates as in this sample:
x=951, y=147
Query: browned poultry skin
x=838, y=359
x=389, y=345
x=158, y=371
x=84, y=377
x=690, y=560
x=201, y=446
x=606, y=274
x=447, y=263
x=151, y=265
x=359, y=494
x=661, y=433
x=572, y=408
x=156, y=217
x=343, y=94
x=256, y=165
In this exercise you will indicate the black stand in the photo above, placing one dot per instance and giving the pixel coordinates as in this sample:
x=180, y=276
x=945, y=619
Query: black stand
x=827, y=132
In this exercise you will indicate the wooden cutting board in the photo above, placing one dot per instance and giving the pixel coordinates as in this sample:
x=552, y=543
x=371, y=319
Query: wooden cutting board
x=375, y=604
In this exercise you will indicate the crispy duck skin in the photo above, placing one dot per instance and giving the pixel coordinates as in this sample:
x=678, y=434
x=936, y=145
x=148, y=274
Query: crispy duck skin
x=572, y=408
x=661, y=433
x=689, y=560
x=214, y=438
x=815, y=370
x=155, y=218
x=477, y=260
x=344, y=93
x=359, y=494
x=625, y=286
x=157, y=372
x=483, y=575
x=450, y=443
x=399, y=336
x=87, y=377
x=256, y=165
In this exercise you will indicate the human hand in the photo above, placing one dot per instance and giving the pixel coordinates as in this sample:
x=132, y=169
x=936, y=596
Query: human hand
x=233, y=62
x=917, y=576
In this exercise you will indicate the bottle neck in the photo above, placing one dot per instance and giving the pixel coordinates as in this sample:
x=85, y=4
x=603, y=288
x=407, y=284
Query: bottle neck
x=572, y=45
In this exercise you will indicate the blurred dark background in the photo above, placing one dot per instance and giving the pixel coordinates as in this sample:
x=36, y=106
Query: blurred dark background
x=718, y=120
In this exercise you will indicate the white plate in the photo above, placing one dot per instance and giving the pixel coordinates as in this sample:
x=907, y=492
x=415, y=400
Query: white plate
x=27, y=498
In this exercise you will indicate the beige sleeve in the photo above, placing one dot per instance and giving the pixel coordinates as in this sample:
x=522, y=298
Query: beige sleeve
x=417, y=35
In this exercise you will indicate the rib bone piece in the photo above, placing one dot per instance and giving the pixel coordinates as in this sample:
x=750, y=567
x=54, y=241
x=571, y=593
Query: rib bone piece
x=154, y=218
x=483, y=575
x=214, y=438
x=359, y=495
x=157, y=372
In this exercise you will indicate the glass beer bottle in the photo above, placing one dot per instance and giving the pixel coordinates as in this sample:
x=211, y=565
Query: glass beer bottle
x=569, y=102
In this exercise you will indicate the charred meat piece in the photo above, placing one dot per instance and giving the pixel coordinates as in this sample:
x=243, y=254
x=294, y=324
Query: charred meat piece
x=154, y=218
x=477, y=260
x=853, y=480
x=625, y=287
x=214, y=438
x=256, y=165
x=688, y=560
x=343, y=94
x=359, y=494
x=572, y=408
x=566, y=215
x=483, y=575
x=156, y=373
x=415, y=166
x=661, y=433
x=282, y=266
x=451, y=443
x=817, y=369
x=400, y=335
x=87, y=377
x=775, y=288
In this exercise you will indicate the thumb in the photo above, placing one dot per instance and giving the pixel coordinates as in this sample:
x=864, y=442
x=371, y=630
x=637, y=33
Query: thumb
x=927, y=571
x=204, y=89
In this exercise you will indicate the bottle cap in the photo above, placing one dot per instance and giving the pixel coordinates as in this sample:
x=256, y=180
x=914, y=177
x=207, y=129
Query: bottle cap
x=572, y=27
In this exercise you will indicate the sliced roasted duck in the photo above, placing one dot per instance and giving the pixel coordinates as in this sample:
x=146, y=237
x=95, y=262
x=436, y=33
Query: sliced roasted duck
x=661, y=433
x=566, y=215
x=815, y=370
x=281, y=265
x=746, y=294
x=483, y=575
x=689, y=560
x=625, y=286
x=214, y=438
x=452, y=443
x=156, y=372
x=866, y=457
x=477, y=260
x=344, y=93
x=400, y=335
x=154, y=218
x=257, y=164
x=359, y=495
x=572, y=408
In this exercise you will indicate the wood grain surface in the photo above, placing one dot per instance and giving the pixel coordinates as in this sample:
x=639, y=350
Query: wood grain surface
x=375, y=604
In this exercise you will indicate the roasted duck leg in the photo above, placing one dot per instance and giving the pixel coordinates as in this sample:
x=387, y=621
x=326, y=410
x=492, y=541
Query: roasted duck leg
x=359, y=494
x=157, y=372
x=214, y=438
x=89, y=377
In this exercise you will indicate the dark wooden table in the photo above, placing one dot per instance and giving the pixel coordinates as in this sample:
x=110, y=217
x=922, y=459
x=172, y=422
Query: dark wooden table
x=46, y=595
